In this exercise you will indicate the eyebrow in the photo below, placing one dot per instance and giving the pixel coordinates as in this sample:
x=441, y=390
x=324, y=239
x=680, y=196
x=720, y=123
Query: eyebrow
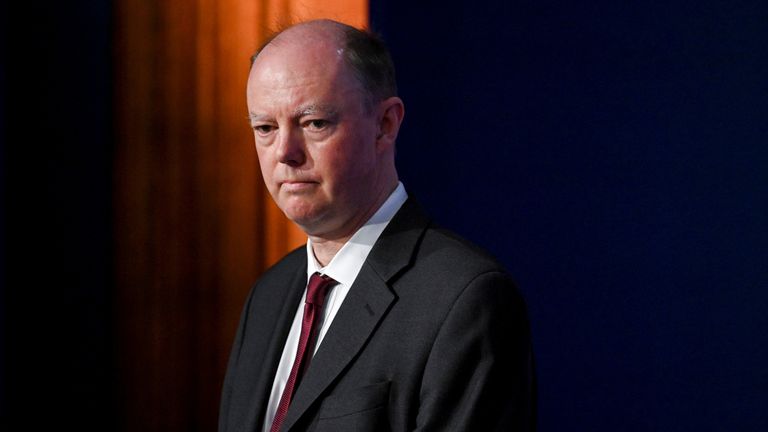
x=252, y=117
x=315, y=109
x=300, y=112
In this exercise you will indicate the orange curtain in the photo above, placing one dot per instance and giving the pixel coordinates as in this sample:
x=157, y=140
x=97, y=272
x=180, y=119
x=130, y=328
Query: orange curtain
x=194, y=224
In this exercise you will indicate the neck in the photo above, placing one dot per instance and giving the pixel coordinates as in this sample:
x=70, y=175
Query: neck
x=325, y=250
x=325, y=246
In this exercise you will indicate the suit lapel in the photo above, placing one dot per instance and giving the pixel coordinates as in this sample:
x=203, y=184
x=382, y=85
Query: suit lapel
x=274, y=349
x=368, y=301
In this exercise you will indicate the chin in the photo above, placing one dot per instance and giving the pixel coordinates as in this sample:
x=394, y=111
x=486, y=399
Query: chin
x=304, y=218
x=314, y=226
x=313, y=216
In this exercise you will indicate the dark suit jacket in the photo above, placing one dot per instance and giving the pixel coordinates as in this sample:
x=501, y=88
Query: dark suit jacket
x=433, y=336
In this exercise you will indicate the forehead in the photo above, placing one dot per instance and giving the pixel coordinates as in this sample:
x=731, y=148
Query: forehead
x=301, y=64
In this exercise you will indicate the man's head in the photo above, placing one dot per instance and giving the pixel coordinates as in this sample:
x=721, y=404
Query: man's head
x=365, y=54
x=323, y=106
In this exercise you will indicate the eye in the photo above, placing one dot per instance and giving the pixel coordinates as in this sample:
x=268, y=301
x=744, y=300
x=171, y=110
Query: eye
x=263, y=129
x=317, y=124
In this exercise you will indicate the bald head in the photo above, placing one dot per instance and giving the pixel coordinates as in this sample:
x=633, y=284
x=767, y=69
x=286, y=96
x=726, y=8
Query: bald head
x=362, y=52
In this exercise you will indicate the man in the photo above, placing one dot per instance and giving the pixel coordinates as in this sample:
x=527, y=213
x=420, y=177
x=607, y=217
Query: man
x=382, y=322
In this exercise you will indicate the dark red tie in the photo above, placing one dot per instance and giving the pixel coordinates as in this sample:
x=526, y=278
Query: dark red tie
x=316, y=290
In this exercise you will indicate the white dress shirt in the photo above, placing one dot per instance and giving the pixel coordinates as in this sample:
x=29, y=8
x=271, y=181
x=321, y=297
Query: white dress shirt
x=343, y=268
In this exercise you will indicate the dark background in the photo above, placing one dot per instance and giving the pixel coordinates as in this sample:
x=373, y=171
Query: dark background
x=614, y=156
x=55, y=303
x=611, y=154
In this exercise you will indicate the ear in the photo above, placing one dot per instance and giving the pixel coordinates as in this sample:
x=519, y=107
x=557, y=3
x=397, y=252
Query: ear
x=390, y=116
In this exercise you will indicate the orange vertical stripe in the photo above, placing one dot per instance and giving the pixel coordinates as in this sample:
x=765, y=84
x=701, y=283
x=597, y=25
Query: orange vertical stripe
x=352, y=12
x=194, y=224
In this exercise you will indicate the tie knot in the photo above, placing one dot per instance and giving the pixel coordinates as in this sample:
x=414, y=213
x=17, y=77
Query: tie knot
x=317, y=288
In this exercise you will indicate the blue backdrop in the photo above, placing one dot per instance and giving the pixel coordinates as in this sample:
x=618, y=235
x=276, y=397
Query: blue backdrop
x=614, y=156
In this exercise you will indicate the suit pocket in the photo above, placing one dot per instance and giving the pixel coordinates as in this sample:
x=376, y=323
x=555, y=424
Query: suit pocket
x=355, y=401
x=362, y=409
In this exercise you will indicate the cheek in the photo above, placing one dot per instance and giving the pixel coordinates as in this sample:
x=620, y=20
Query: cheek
x=354, y=176
x=344, y=166
x=265, y=164
x=354, y=154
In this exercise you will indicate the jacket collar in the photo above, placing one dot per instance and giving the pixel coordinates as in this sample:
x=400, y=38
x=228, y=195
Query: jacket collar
x=367, y=303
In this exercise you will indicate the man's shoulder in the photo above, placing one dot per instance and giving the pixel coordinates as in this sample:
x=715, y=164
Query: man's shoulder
x=446, y=269
x=455, y=253
x=432, y=248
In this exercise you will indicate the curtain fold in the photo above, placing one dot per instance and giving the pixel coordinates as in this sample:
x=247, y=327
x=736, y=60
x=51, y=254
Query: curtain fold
x=194, y=223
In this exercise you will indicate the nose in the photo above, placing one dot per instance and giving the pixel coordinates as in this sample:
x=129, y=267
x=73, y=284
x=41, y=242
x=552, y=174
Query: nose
x=290, y=148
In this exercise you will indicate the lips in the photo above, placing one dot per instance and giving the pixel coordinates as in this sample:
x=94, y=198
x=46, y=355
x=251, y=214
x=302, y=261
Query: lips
x=297, y=185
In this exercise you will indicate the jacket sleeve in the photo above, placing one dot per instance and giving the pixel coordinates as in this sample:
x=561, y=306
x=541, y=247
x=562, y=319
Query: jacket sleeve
x=479, y=375
x=226, y=392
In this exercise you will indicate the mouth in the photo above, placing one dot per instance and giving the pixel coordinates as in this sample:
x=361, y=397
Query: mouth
x=297, y=185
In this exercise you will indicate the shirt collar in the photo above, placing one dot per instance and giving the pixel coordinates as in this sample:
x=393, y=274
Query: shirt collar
x=348, y=261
